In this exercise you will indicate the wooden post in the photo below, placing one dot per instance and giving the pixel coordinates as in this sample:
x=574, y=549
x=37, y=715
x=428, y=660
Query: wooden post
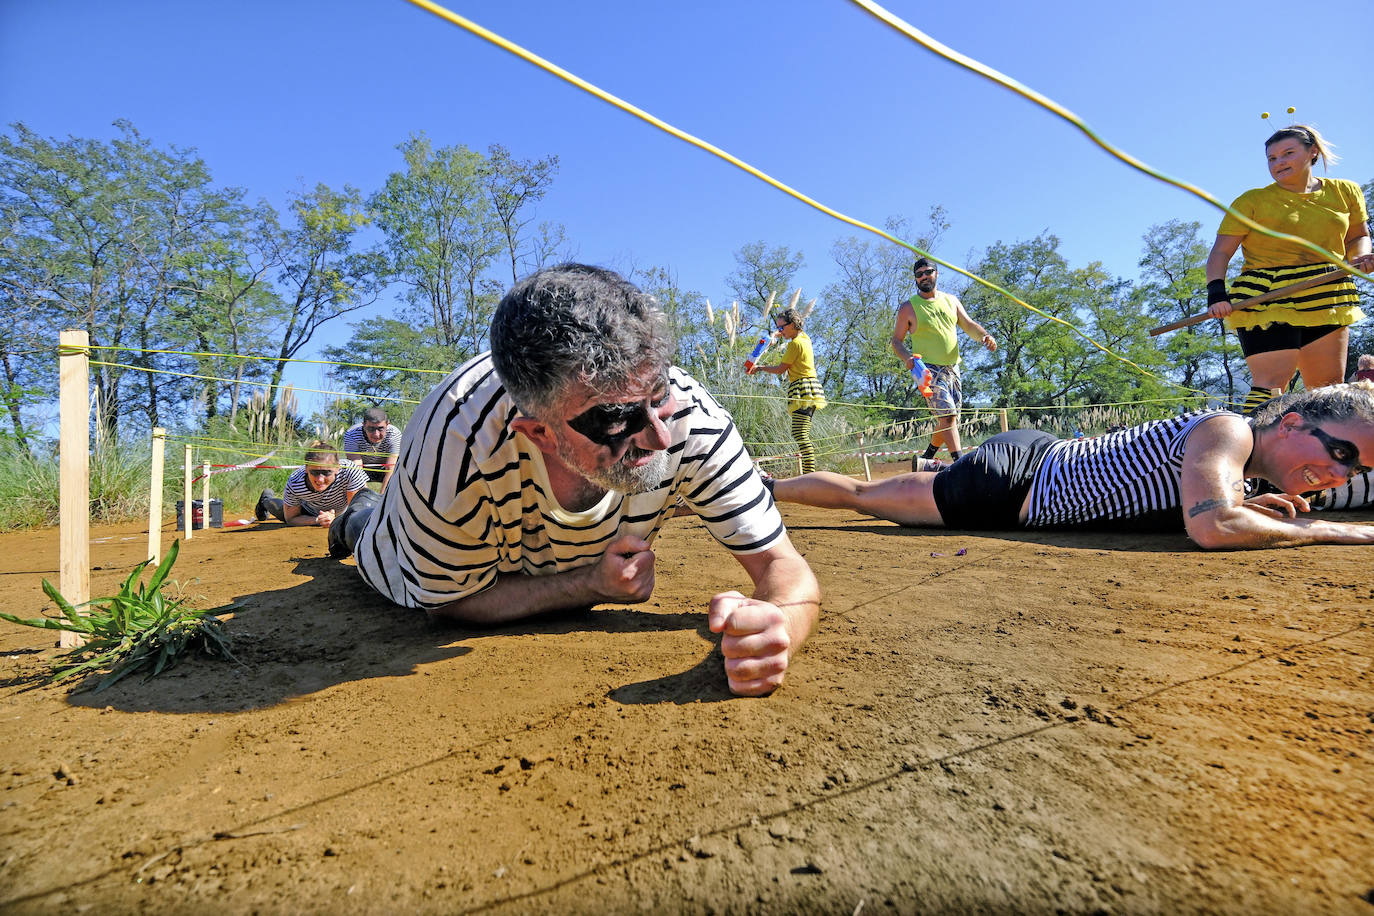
x=155, y=497
x=74, y=473
x=1003, y=416
x=186, y=525
x=868, y=474
x=205, y=495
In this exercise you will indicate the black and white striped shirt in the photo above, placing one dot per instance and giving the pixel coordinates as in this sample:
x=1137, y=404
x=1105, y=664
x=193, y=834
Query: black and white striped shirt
x=373, y=455
x=1132, y=474
x=348, y=479
x=1356, y=494
x=470, y=498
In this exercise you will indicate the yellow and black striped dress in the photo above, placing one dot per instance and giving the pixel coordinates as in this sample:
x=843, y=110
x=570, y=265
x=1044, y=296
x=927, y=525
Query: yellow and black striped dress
x=804, y=395
x=1322, y=217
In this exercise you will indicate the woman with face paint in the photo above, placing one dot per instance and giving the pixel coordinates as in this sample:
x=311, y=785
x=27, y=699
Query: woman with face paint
x=804, y=393
x=1309, y=331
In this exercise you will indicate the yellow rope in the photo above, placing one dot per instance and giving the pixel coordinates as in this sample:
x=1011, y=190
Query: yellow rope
x=664, y=126
x=1049, y=104
x=68, y=351
x=246, y=383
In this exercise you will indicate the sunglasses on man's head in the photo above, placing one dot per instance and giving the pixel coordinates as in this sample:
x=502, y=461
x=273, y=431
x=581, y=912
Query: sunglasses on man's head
x=611, y=424
x=1342, y=452
x=922, y=274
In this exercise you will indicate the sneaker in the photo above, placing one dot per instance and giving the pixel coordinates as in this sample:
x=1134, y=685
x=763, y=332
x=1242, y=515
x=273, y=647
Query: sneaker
x=927, y=464
x=767, y=479
x=260, y=510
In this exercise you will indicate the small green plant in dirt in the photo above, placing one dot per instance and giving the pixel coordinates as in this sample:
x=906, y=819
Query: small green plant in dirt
x=138, y=628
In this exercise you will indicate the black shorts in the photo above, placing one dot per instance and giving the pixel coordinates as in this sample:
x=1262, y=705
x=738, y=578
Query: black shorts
x=1281, y=337
x=376, y=475
x=984, y=490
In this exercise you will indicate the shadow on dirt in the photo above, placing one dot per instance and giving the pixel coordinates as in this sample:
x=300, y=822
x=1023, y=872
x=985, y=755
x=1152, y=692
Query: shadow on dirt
x=1077, y=539
x=329, y=630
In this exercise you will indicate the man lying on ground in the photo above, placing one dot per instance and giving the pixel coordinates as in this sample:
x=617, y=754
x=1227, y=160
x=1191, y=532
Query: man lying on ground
x=536, y=476
x=316, y=492
x=1186, y=471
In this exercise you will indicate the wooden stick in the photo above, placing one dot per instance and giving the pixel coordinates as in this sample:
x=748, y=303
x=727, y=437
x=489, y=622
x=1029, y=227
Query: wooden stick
x=1280, y=293
x=155, y=497
x=187, y=527
x=74, y=473
x=205, y=495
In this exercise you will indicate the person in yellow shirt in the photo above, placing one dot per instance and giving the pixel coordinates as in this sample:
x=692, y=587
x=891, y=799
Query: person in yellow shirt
x=1308, y=332
x=804, y=393
x=932, y=319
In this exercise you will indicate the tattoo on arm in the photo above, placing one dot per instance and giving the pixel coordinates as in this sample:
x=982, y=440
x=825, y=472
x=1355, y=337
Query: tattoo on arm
x=1207, y=505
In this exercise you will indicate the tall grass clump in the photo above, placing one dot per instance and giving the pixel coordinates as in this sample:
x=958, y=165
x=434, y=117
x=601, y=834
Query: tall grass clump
x=135, y=629
x=29, y=484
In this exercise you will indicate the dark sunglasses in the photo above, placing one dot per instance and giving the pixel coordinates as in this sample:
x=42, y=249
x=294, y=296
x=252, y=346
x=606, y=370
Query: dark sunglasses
x=922, y=274
x=321, y=472
x=1342, y=452
x=611, y=424
x=782, y=324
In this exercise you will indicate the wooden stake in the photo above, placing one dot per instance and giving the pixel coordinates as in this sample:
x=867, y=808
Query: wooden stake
x=205, y=495
x=74, y=473
x=1002, y=415
x=868, y=473
x=155, y=497
x=186, y=525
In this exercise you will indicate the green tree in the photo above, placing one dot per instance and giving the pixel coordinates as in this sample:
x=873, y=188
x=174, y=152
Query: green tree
x=852, y=326
x=321, y=276
x=1044, y=362
x=391, y=363
x=442, y=236
x=1173, y=286
x=513, y=185
x=98, y=232
x=760, y=270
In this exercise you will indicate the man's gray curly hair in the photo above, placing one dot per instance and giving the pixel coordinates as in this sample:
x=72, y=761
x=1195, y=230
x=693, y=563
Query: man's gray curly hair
x=575, y=324
x=1337, y=403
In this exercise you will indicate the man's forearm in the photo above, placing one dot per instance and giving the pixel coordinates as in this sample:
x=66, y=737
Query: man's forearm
x=1241, y=528
x=514, y=596
x=789, y=585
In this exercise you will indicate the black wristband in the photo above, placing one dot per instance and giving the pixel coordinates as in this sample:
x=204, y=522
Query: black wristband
x=1216, y=292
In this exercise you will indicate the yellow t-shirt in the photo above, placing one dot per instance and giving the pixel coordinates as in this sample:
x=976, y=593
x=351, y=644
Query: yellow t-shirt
x=799, y=357
x=935, y=336
x=1322, y=217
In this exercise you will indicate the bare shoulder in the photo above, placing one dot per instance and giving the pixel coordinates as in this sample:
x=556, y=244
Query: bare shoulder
x=1222, y=438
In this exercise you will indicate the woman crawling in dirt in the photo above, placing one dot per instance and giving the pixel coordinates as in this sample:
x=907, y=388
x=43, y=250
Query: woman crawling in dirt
x=1188, y=470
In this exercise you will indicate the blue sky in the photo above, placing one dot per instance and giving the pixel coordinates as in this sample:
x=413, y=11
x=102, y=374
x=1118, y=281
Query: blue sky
x=277, y=95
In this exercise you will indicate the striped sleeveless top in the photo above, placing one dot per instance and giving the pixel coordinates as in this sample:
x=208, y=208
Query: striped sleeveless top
x=1127, y=479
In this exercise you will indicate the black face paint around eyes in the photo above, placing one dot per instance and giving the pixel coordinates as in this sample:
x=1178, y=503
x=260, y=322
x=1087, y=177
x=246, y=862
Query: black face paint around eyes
x=596, y=423
x=1334, y=446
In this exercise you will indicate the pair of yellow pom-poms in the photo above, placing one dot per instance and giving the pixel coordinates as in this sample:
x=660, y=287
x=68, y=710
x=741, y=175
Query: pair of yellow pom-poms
x=1266, y=114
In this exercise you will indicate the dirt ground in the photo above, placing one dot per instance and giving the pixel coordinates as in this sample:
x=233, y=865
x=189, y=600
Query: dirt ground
x=1049, y=723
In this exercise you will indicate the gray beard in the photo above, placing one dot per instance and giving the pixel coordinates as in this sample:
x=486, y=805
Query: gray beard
x=625, y=479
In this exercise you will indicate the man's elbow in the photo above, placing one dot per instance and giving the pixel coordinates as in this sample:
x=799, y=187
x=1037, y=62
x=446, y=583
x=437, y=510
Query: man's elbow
x=1220, y=537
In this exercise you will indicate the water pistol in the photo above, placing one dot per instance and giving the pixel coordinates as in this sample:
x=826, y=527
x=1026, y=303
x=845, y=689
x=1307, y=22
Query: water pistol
x=752, y=359
x=922, y=375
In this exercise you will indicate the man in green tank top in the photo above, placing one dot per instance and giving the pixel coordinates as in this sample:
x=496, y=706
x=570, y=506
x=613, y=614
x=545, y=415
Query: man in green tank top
x=930, y=318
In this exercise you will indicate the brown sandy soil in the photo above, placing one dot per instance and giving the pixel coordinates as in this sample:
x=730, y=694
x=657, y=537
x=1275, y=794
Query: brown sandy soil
x=1072, y=723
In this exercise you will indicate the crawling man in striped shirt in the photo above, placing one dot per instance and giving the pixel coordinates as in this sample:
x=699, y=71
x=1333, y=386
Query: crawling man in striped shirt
x=536, y=477
x=1187, y=472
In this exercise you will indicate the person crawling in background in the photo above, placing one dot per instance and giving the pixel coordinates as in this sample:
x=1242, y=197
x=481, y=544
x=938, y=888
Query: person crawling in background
x=1184, y=472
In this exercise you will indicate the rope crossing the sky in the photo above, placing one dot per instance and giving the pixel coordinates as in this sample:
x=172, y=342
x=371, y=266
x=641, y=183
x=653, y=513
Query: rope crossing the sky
x=550, y=67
